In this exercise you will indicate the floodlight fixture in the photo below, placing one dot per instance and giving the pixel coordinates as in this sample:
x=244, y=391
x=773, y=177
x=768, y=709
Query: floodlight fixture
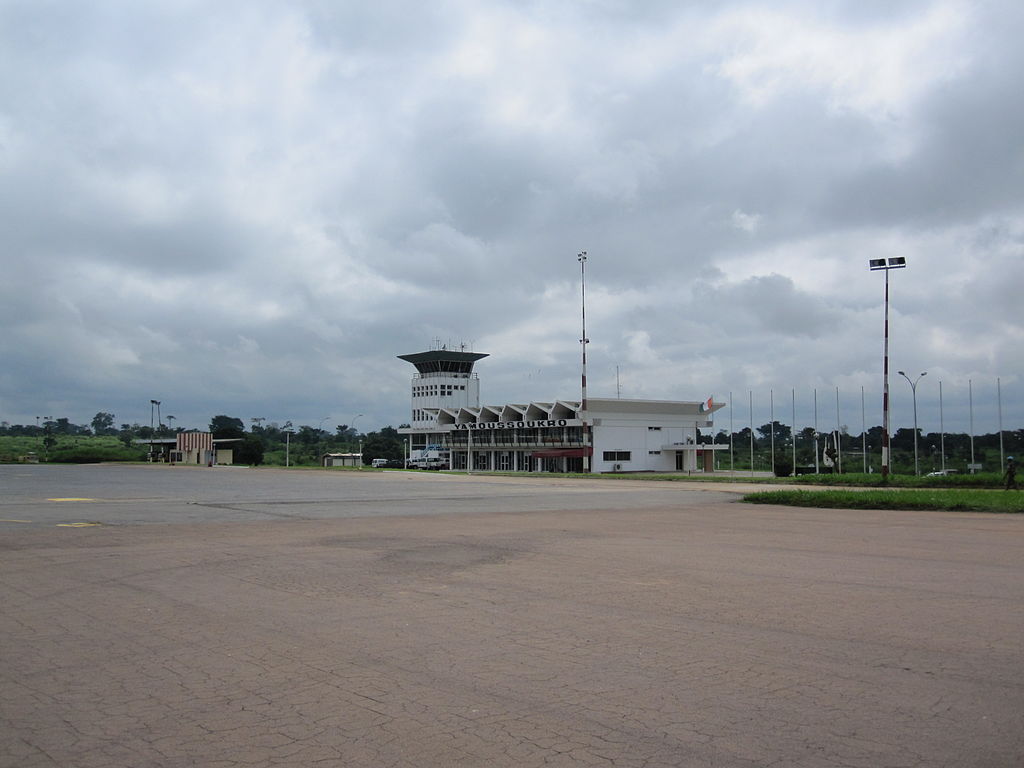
x=896, y=262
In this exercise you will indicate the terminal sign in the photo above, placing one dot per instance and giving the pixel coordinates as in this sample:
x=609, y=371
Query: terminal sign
x=513, y=424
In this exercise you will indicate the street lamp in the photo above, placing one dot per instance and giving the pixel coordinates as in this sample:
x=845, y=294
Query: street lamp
x=913, y=389
x=353, y=427
x=48, y=427
x=320, y=442
x=152, y=404
x=287, y=443
x=897, y=262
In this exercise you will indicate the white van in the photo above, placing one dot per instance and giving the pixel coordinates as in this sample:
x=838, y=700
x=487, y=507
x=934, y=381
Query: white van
x=379, y=463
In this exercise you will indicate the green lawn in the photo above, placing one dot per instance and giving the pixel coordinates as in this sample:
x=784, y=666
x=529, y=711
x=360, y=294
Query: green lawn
x=69, y=449
x=980, y=480
x=954, y=500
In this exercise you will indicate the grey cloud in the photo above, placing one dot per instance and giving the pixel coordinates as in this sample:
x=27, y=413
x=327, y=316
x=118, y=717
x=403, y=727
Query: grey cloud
x=287, y=197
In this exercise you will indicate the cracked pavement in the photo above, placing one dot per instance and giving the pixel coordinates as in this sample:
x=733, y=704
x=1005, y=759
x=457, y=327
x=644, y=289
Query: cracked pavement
x=485, y=622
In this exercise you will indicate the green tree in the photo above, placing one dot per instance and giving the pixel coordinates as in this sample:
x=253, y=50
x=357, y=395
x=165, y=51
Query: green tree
x=103, y=424
x=126, y=435
x=386, y=444
x=249, y=451
x=226, y=427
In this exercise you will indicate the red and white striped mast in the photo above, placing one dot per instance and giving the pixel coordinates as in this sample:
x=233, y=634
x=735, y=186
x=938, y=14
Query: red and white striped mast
x=882, y=264
x=582, y=258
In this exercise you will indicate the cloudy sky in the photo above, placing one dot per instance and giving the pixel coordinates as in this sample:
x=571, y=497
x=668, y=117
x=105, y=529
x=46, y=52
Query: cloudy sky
x=251, y=207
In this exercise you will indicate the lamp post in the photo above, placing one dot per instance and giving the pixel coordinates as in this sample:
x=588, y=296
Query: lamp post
x=913, y=389
x=354, y=420
x=582, y=259
x=897, y=262
x=152, y=404
x=942, y=432
x=320, y=442
x=970, y=410
x=287, y=444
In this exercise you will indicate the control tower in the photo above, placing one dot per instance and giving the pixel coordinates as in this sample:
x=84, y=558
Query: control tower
x=444, y=379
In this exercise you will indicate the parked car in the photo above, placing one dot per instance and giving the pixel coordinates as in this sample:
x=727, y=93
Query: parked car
x=943, y=472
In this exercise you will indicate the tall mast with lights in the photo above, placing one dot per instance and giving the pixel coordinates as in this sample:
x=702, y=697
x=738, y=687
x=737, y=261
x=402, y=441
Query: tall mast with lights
x=582, y=258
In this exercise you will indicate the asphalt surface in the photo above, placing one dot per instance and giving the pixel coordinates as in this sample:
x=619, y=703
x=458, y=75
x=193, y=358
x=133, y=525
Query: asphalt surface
x=156, y=616
x=123, y=495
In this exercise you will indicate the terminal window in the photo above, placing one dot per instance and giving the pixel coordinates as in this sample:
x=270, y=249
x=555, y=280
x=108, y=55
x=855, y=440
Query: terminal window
x=616, y=455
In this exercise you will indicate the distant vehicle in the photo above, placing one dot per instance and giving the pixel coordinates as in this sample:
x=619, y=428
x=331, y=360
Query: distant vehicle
x=379, y=463
x=943, y=472
x=432, y=457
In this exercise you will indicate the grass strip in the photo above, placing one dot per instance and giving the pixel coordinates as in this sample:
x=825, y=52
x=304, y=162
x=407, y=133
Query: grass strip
x=874, y=480
x=950, y=500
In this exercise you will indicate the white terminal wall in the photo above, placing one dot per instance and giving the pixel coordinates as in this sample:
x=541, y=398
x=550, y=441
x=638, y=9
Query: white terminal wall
x=649, y=430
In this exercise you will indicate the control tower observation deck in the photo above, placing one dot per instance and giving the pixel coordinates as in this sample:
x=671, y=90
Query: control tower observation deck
x=444, y=379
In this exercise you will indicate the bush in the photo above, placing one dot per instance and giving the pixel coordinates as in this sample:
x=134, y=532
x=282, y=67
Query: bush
x=980, y=480
x=93, y=454
x=783, y=467
x=957, y=500
x=249, y=451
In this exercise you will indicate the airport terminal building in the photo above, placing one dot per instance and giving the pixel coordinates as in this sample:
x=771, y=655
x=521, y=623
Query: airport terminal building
x=615, y=434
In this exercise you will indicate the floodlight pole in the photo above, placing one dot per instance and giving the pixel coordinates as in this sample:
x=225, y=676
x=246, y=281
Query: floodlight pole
x=886, y=264
x=885, y=388
x=582, y=258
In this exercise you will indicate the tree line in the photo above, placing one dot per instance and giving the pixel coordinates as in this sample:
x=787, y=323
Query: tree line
x=261, y=444
x=952, y=450
x=305, y=445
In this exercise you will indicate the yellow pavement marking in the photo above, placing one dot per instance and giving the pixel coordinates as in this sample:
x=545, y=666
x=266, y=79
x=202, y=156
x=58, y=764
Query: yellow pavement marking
x=76, y=525
x=5, y=520
x=71, y=498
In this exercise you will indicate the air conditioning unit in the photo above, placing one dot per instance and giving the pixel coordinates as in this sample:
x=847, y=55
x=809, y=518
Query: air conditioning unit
x=616, y=467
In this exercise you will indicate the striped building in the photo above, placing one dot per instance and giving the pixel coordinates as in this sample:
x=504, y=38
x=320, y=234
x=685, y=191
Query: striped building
x=194, y=448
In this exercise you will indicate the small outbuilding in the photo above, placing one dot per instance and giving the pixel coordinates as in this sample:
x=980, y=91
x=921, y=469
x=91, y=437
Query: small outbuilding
x=342, y=460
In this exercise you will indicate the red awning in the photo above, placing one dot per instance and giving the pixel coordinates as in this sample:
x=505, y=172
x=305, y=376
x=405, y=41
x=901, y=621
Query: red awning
x=558, y=453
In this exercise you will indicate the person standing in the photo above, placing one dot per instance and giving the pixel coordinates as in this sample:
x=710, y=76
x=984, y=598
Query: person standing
x=1011, y=475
